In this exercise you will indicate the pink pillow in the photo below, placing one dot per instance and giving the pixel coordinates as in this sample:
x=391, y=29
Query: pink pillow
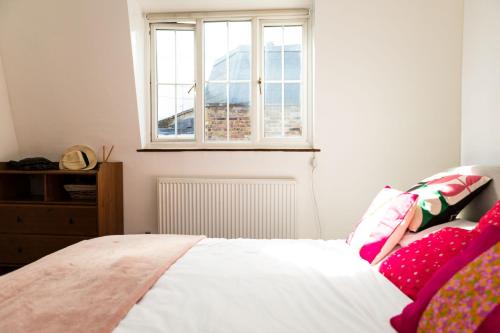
x=383, y=225
x=412, y=266
x=360, y=233
x=408, y=320
x=411, y=237
x=492, y=217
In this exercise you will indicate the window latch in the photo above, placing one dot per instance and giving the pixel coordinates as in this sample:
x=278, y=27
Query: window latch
x=259, y=82
x=192, y=87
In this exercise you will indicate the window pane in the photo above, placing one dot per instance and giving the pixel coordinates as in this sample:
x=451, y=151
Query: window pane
x=239, y=111
x=216, y=111
x=272, y=110
x=165, y=56
x=292, y=47
x=293, y=122
x=273, y=42
x=175, y=76
x=239, y=50
x=227, y=58
x=185, y=110
x=215, y=50
x=185, y=56
x=283, y=65
x=166, y=110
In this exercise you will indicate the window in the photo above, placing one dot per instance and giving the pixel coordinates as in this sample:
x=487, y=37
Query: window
x=230, y=80
x=174, y=79
x=282, y=80
x=227, y=80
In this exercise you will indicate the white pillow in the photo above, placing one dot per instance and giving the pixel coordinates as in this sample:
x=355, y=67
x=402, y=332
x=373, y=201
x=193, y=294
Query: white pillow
x=410, y=237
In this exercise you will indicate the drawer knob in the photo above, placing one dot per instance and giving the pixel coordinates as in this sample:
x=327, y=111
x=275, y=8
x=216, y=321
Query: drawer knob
x=19, y=250
x=71, y=221
x=19, y=220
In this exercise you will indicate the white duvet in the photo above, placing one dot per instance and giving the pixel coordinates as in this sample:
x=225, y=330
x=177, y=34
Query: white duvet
x=238, y=286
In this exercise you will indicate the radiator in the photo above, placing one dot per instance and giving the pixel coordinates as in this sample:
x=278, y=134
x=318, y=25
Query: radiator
x=228, y=208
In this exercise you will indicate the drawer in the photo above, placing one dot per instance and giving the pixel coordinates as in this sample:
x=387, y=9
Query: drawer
x=50, y=220
x=23, y=249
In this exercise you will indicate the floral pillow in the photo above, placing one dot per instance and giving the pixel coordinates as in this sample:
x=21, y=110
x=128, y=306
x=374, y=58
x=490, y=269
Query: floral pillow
x=383, y=225
x=410, y=267
x=463, y=295
x=443, y=196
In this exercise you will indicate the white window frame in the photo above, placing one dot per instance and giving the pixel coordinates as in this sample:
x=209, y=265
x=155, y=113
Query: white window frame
x=154, y=82
x=258, y=19
x=304, y=106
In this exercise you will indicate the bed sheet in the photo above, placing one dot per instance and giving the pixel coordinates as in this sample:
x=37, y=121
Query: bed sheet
x=274, y=286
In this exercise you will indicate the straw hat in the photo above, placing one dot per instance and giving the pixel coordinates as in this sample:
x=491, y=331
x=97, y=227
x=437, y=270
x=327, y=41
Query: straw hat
x=79, y=157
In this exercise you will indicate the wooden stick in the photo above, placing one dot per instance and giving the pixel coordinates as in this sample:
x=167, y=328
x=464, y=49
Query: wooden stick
x=104, y=153
x=109, y=154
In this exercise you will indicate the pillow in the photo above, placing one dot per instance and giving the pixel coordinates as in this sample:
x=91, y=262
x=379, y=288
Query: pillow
x=408, y=320
x=377, y=265
x=412, y=266
x=362, y=230
x=492, y=217
x=410, y=237
x=383, y=225
x=479, y=281
x=443, y=196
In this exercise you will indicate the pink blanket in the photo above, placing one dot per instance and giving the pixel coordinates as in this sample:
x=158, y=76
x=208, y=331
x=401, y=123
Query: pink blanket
x=89, y=286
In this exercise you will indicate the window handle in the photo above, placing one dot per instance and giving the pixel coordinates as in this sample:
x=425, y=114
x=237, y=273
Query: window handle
x=192, y=87
x=259, y=82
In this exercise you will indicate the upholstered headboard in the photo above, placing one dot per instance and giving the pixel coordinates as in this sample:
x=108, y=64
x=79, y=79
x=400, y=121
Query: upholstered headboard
x=488, y=197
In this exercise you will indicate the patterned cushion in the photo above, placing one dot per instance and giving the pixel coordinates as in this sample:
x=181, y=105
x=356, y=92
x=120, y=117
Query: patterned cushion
x=443, y=196
x=412, y=266
x=463, y=303
x=492, y=217
x=383, y=225
x=409, y=319
x=411, y=237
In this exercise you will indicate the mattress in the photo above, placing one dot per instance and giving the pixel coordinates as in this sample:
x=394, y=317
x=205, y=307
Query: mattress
x=267, y=286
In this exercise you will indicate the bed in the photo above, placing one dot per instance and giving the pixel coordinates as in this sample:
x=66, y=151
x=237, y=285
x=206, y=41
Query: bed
x=267, y=286
x=217, y=285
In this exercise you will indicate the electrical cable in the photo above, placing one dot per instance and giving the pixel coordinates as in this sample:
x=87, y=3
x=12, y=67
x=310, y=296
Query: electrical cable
x=315, y=199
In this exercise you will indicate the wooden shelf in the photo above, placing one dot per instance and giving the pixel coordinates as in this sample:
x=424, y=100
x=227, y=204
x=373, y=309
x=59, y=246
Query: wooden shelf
x=72, y=203
x=4, y=170
x=28, y=200
x=42, y=202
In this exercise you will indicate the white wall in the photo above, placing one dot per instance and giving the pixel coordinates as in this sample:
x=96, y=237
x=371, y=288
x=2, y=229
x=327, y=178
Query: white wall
x=8, y=140
x=137, y=39
x=481, y=82
x=387, y=100
x=387, y=96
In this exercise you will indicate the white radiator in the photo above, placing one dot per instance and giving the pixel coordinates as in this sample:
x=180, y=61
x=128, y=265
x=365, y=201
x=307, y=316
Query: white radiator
x=228, y=208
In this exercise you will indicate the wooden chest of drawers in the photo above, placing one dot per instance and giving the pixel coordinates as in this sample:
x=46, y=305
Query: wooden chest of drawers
x=38, y=216
x=54, y=220
x=18, y=250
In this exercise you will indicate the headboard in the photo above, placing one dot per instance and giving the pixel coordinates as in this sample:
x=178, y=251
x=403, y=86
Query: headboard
x=488, y=197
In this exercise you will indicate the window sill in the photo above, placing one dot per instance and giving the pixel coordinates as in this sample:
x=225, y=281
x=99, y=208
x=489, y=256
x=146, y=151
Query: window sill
x=289, y=150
